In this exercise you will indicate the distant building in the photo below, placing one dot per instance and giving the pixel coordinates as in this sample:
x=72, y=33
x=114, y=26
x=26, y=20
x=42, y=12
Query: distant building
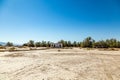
x=57, y=45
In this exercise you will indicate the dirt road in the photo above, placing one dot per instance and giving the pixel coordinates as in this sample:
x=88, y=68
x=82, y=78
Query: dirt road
x=65, y=64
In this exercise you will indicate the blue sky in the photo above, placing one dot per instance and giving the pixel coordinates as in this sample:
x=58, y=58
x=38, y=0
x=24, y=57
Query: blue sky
x=53, y=20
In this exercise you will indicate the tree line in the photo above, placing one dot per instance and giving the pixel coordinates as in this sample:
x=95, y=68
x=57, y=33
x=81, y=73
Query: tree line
x=86, y=43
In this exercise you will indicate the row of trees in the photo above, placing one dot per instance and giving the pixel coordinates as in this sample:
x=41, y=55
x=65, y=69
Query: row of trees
x=86, y=43
x=9, y=44
x=109, y=43
x=31, y=43
x=91, y=43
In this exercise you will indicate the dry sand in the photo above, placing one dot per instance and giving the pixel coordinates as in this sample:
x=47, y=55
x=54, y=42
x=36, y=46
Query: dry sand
x=65, y=64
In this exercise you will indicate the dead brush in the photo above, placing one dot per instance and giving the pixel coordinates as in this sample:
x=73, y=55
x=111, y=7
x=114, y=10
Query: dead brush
x=59, y=50
x=2, y=47
x=12, y=49
x=14, y=55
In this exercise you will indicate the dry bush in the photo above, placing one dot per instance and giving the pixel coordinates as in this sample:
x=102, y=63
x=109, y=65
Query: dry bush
x=108, y=49
x=2, y=50
x=87, y=48
x=12, y=49
x=24, y=47
x=80, y=47
x=67, y=48
x=21, y=47
x=14, y=55
x=2, y=47
x=113, y=49
x=59, y=50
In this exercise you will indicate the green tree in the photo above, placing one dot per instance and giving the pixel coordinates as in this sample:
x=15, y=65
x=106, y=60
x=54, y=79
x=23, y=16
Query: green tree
x=78, y=44
x=101, y=44
x=69, y=44
x=31, y=43
x=43, y=44
x=38, y=44
x=9, y=44
x=74, y=44
x=25, y=44
x=118, y=44
x=48, y=44
x=112, y=43
x=63, y=42
x=88, y=42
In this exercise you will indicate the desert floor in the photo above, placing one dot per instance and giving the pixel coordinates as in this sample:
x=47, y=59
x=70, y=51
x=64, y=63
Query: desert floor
x=63, y=64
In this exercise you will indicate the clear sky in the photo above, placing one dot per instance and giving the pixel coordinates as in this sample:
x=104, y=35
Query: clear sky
x=53, y=20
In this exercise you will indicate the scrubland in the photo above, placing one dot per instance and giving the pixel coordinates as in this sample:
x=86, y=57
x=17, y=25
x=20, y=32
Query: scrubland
x=60, y=64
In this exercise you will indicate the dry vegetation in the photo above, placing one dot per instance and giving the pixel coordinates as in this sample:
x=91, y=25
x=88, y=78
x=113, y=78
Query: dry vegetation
x=60, y=64
x=14, y=55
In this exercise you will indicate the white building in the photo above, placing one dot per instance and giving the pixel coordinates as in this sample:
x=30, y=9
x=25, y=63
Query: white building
x=57, y=45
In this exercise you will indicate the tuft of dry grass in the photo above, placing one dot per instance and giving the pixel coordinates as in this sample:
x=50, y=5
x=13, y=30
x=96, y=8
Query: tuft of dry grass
x=15, y=55
x=12, y=49
x=59, y=50
x=2, y=50
x=2, y=47
x=109, y=49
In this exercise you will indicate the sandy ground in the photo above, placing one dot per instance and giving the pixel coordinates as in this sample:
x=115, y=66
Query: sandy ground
x=66, y=64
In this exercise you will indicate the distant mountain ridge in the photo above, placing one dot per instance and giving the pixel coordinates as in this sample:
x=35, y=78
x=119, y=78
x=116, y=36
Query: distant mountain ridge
x=2, y=43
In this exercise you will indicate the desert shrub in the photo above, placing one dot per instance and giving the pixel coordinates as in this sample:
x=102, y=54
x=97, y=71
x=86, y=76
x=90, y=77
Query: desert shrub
x=14, y=55
x=12, y=49
x=59, y=50
x=113, y=49
x=108, y=49
x=88, y=48
x=2, y=47
x=20, y=47
x=67, y=47
x=2, y=50
x=25, y=47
